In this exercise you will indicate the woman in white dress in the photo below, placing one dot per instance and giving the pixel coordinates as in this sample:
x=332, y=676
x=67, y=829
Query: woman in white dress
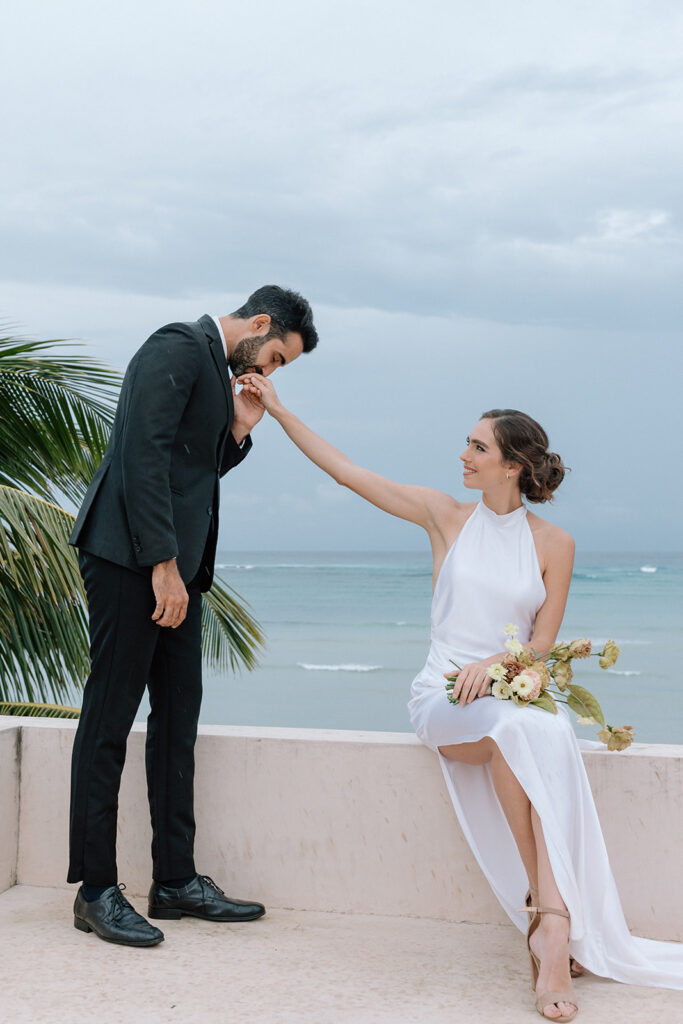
x=515, y=775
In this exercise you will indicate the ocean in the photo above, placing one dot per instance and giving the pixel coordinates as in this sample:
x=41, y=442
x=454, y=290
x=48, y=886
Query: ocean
x=347, y=632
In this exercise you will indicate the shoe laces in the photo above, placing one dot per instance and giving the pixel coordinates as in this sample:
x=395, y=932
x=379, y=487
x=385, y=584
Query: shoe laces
x=210, y=882
x=120, y=904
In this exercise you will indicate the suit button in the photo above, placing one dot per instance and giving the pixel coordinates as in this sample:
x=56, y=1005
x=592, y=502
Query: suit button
x=209, y=510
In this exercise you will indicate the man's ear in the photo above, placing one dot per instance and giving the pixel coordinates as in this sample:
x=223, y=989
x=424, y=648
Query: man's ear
x=260, y=324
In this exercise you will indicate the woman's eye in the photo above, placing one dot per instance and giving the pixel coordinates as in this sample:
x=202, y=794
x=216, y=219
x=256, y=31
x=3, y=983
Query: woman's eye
x=480, y=448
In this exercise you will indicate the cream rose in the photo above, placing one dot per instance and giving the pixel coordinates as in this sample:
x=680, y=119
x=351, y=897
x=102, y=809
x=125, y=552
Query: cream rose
x=497, y=671
x=527, y=685
x=514, y=646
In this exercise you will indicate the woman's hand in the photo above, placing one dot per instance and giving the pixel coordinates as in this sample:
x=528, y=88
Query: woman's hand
x=247, y=411
x=260, y=389
x=471, y=681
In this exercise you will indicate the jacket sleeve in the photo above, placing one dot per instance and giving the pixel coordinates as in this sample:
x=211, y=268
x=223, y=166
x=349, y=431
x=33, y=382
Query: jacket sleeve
x=233, y=453
x=167, y=367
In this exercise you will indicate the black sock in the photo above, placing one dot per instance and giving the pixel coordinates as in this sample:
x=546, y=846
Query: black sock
x=178, y=883
x=93, y=892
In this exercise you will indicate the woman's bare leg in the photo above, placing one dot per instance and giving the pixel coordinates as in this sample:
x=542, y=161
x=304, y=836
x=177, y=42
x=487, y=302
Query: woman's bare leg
x=550, y=939
x=514, y=801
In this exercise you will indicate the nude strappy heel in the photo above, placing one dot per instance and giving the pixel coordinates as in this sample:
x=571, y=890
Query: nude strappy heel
x=532, y=898
x=547, y=998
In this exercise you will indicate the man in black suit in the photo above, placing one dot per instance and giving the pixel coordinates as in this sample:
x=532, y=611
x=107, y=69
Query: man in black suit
x=146, y=534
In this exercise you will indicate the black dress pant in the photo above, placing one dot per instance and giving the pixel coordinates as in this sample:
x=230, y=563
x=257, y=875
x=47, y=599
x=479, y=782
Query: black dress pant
x=128, y=652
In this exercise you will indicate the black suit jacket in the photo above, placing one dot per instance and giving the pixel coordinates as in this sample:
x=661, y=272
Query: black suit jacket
x=155, y=494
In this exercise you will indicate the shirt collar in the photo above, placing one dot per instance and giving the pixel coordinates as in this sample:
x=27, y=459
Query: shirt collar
x=222, y=336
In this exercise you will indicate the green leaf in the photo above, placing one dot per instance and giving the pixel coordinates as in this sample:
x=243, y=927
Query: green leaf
x=231, y=636
x=545, y=701
x=584, y=703
x=57, y=412
x=43, y=618
x=38, y=710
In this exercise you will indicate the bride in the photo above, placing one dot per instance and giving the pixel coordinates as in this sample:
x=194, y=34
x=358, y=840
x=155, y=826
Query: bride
x=515, y=775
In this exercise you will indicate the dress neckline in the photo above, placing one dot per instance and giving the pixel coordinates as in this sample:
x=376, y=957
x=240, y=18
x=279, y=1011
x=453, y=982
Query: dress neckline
x=502, y=520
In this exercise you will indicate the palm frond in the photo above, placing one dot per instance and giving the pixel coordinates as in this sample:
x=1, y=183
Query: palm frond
x=56, y=416
x=38, y=710
x=231, y=636
x=43, y=620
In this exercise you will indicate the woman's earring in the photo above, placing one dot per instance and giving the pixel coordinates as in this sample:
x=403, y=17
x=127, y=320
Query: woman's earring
x=507, y=475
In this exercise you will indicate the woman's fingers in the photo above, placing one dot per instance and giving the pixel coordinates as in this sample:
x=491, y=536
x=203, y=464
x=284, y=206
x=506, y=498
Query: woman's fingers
x=260, y=388
x=470, y=682
x=473, y=686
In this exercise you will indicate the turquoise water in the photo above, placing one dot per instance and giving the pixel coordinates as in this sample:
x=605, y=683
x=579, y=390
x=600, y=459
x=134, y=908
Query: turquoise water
x=347, y=632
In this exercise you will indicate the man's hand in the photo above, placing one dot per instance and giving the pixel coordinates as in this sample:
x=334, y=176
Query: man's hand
x=471, y=681
x=248, y=410
x=170, y=593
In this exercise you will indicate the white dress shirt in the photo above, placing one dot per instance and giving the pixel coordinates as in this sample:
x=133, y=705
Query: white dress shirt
x=220, y=331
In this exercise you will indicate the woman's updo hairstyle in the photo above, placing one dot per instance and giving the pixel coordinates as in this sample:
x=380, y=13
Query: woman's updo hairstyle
x=521, y=439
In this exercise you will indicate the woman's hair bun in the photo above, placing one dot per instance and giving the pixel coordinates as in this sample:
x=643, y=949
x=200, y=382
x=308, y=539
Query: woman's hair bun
x=521, y=439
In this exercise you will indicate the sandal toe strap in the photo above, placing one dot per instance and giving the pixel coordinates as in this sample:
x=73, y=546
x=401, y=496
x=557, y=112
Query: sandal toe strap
x=548, y=998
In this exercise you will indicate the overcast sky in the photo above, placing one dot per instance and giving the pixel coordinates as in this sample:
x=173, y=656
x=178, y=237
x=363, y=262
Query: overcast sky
x=481, y=201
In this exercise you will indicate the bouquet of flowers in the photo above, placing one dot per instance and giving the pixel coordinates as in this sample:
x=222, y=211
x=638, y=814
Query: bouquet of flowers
x=545, y=680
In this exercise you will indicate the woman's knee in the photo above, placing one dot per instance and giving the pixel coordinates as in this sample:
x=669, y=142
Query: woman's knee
x=480, y=752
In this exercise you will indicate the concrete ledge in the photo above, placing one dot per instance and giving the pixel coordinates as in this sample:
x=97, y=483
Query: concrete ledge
x=333, y=821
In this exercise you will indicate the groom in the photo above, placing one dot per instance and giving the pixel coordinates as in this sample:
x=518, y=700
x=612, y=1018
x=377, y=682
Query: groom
x=146, y=534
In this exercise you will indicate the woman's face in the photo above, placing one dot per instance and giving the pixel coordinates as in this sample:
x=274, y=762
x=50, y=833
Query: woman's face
x=482, y=459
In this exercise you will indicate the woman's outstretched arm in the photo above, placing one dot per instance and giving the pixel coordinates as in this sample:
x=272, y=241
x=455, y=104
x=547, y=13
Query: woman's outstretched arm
x=420, y=505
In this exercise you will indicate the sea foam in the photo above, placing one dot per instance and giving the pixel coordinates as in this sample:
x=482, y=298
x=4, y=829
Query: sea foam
x=338, y=668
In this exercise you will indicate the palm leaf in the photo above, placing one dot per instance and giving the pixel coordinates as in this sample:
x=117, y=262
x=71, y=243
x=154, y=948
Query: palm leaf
x=230, y=634
x=43, y=620
x=38, y=710
x=56, y=418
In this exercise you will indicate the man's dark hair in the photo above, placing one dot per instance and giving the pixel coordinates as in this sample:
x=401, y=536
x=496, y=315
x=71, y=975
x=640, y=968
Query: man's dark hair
x=288, y=311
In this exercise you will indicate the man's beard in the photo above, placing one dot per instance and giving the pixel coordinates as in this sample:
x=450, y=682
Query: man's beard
x=243, y=356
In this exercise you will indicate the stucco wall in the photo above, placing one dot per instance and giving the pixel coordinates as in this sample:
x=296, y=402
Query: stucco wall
x=9, y=805
x=349, y=821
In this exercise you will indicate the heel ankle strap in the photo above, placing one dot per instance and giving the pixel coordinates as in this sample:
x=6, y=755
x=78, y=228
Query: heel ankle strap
x=544, y=910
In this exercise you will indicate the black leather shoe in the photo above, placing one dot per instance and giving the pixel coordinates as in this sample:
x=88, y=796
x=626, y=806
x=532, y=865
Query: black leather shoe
x=114, y=919
x=201, y=898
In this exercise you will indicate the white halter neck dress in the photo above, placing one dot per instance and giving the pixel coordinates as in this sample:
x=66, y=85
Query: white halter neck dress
x=491, y=577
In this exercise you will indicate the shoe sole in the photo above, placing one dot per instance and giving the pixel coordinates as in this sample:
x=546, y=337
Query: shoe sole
x=175, y=915
x=83, y=926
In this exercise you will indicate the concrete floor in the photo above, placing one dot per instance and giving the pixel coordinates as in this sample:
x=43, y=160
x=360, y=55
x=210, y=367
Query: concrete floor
x=289, y=966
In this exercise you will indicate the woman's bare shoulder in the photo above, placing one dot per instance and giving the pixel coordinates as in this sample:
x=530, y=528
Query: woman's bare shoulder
x=448, y=511
x=550, y=536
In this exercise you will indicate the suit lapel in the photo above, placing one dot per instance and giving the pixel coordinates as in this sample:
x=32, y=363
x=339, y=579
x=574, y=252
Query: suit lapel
x=207, y=324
